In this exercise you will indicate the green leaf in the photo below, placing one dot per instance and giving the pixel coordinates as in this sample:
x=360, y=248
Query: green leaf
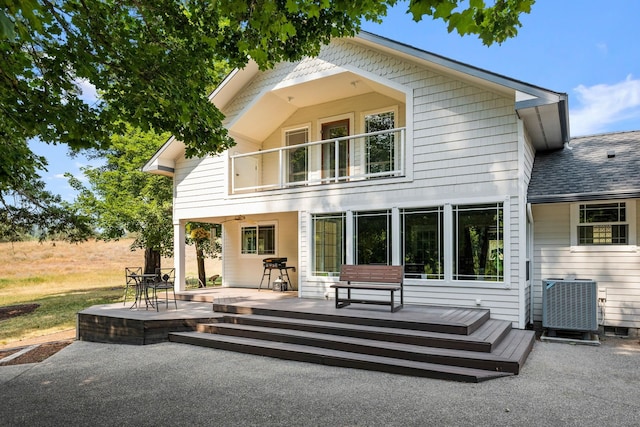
x=6, y=27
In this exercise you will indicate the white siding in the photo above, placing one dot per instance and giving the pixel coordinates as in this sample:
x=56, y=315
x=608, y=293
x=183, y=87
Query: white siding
x=617, y=272
x=463, y=149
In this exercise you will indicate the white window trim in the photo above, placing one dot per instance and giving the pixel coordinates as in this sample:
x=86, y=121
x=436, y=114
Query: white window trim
x=448, y=242
x=390, y=109
x=260, y=224
x=284, y=131
x=574, y=213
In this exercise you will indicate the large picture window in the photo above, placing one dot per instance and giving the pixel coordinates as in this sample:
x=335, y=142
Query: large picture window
x=373, y=237
x=328, y=244
x=423, y=243
x=479, y=242
x=603, y=224
x=259, y=239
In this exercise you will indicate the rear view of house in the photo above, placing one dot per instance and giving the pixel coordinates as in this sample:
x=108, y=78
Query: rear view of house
x=375, y=152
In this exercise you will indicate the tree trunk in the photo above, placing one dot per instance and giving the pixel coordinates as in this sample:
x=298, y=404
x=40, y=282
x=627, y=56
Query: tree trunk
x=202, y=275
x=151, y=261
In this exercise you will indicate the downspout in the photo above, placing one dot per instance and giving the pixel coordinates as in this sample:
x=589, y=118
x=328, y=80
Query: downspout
x=530, y=243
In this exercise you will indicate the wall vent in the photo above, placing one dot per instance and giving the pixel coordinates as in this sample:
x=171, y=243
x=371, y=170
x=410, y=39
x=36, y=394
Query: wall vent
x=570, y=305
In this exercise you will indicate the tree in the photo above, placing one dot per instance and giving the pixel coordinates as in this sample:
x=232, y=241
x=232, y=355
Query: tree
x=26, y=208
x=152, y=60
x=203, y=236
x=121, y=199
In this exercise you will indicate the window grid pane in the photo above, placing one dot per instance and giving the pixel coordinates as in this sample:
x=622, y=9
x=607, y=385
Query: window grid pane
x=373, y=237
x=479, y=243
x=600, y=224
x=380, y=149
x=297, y=156
x=423, y=243
x=259, y=240
x=328, y=244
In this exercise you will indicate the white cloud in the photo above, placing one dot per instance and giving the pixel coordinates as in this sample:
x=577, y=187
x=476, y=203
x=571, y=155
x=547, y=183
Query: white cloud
x=89, y=94
x=602, y=106
x=79, y=176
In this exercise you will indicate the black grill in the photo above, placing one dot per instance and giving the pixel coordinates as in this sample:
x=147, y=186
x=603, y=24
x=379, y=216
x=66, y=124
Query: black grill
x=274, y=263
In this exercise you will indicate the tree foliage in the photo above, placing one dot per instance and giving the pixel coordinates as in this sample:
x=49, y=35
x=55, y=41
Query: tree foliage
x=152, y=61
x=120, y=198
x=26, y=208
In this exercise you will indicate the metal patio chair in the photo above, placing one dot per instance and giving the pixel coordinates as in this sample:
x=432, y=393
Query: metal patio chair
x=165, y=280
x=131, y=280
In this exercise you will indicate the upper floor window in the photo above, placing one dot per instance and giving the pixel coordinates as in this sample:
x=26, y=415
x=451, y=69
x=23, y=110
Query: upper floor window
x=380, y=149
x=603, y=224
x=259, y=239
x=297, y=157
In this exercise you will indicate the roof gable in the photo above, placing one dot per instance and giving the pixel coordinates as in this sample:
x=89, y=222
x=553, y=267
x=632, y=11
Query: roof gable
x=543, y=112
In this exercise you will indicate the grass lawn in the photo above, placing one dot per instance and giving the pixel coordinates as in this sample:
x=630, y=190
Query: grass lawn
x=63, y=279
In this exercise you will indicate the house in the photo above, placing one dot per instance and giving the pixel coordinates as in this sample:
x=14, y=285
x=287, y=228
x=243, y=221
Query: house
x=584, y=201
x=376, y=152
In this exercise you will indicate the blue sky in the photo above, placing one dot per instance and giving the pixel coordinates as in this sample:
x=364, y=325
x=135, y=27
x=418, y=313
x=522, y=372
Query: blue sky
x=586, y=48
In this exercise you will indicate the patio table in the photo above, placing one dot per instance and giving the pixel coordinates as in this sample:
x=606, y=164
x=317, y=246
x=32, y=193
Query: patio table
x=141, y=287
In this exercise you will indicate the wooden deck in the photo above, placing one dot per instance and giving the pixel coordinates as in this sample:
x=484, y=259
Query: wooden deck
x=437, y=342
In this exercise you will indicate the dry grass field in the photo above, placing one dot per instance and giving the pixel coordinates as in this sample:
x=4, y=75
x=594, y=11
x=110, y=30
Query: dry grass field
x=64, y=278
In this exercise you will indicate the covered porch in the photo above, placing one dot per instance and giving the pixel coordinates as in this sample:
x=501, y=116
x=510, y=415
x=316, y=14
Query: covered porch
x=246, y=241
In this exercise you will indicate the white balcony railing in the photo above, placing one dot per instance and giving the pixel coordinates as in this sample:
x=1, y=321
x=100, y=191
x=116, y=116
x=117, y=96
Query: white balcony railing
x=346, y=159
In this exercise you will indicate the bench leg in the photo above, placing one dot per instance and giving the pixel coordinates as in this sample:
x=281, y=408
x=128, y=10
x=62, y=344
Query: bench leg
x=343, y=303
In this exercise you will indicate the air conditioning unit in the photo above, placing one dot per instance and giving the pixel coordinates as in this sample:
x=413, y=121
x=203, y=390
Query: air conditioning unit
x=570, y=305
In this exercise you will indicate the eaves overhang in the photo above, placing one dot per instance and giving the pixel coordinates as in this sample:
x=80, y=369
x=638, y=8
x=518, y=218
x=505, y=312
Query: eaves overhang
x=163, y=161
x=584, y=197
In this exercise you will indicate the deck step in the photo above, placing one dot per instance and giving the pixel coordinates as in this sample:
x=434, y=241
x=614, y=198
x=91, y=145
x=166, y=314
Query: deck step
x=375, y=347
x=484, y=339
x=449, y=320
x=333, y=357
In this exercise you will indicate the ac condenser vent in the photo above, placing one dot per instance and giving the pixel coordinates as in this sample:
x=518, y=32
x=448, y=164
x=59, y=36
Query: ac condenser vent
x=570, y=305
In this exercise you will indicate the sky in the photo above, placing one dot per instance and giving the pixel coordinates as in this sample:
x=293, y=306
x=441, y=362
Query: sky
x=588, y=49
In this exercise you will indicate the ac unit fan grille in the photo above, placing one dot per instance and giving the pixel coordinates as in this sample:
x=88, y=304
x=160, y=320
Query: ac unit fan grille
x=570, y=305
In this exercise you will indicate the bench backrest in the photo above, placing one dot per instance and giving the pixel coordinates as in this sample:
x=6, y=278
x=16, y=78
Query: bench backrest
x=372, y=273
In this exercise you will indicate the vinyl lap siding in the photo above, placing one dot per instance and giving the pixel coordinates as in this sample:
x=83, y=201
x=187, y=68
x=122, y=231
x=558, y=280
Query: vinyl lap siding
x=618, y=272
x=464, y=146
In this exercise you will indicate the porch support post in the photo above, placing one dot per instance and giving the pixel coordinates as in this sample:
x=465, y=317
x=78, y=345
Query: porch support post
x=179, y=252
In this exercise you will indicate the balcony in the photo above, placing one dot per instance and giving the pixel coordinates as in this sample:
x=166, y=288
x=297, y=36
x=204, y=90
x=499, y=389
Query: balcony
x=352, y=158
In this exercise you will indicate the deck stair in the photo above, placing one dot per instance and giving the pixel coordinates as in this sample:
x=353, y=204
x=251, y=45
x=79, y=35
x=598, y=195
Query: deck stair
x=461, y=344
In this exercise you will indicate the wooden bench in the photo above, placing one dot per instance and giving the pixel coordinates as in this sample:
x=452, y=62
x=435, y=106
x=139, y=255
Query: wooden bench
x=386, y=278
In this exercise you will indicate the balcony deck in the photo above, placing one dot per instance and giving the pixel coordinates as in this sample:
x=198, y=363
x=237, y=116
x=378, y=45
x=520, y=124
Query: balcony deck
x=346, y=159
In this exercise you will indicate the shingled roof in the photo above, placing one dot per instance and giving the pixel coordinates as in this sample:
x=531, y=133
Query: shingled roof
x=596, y=167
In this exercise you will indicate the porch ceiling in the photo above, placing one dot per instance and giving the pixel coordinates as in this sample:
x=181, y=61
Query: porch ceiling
x=267, y=112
